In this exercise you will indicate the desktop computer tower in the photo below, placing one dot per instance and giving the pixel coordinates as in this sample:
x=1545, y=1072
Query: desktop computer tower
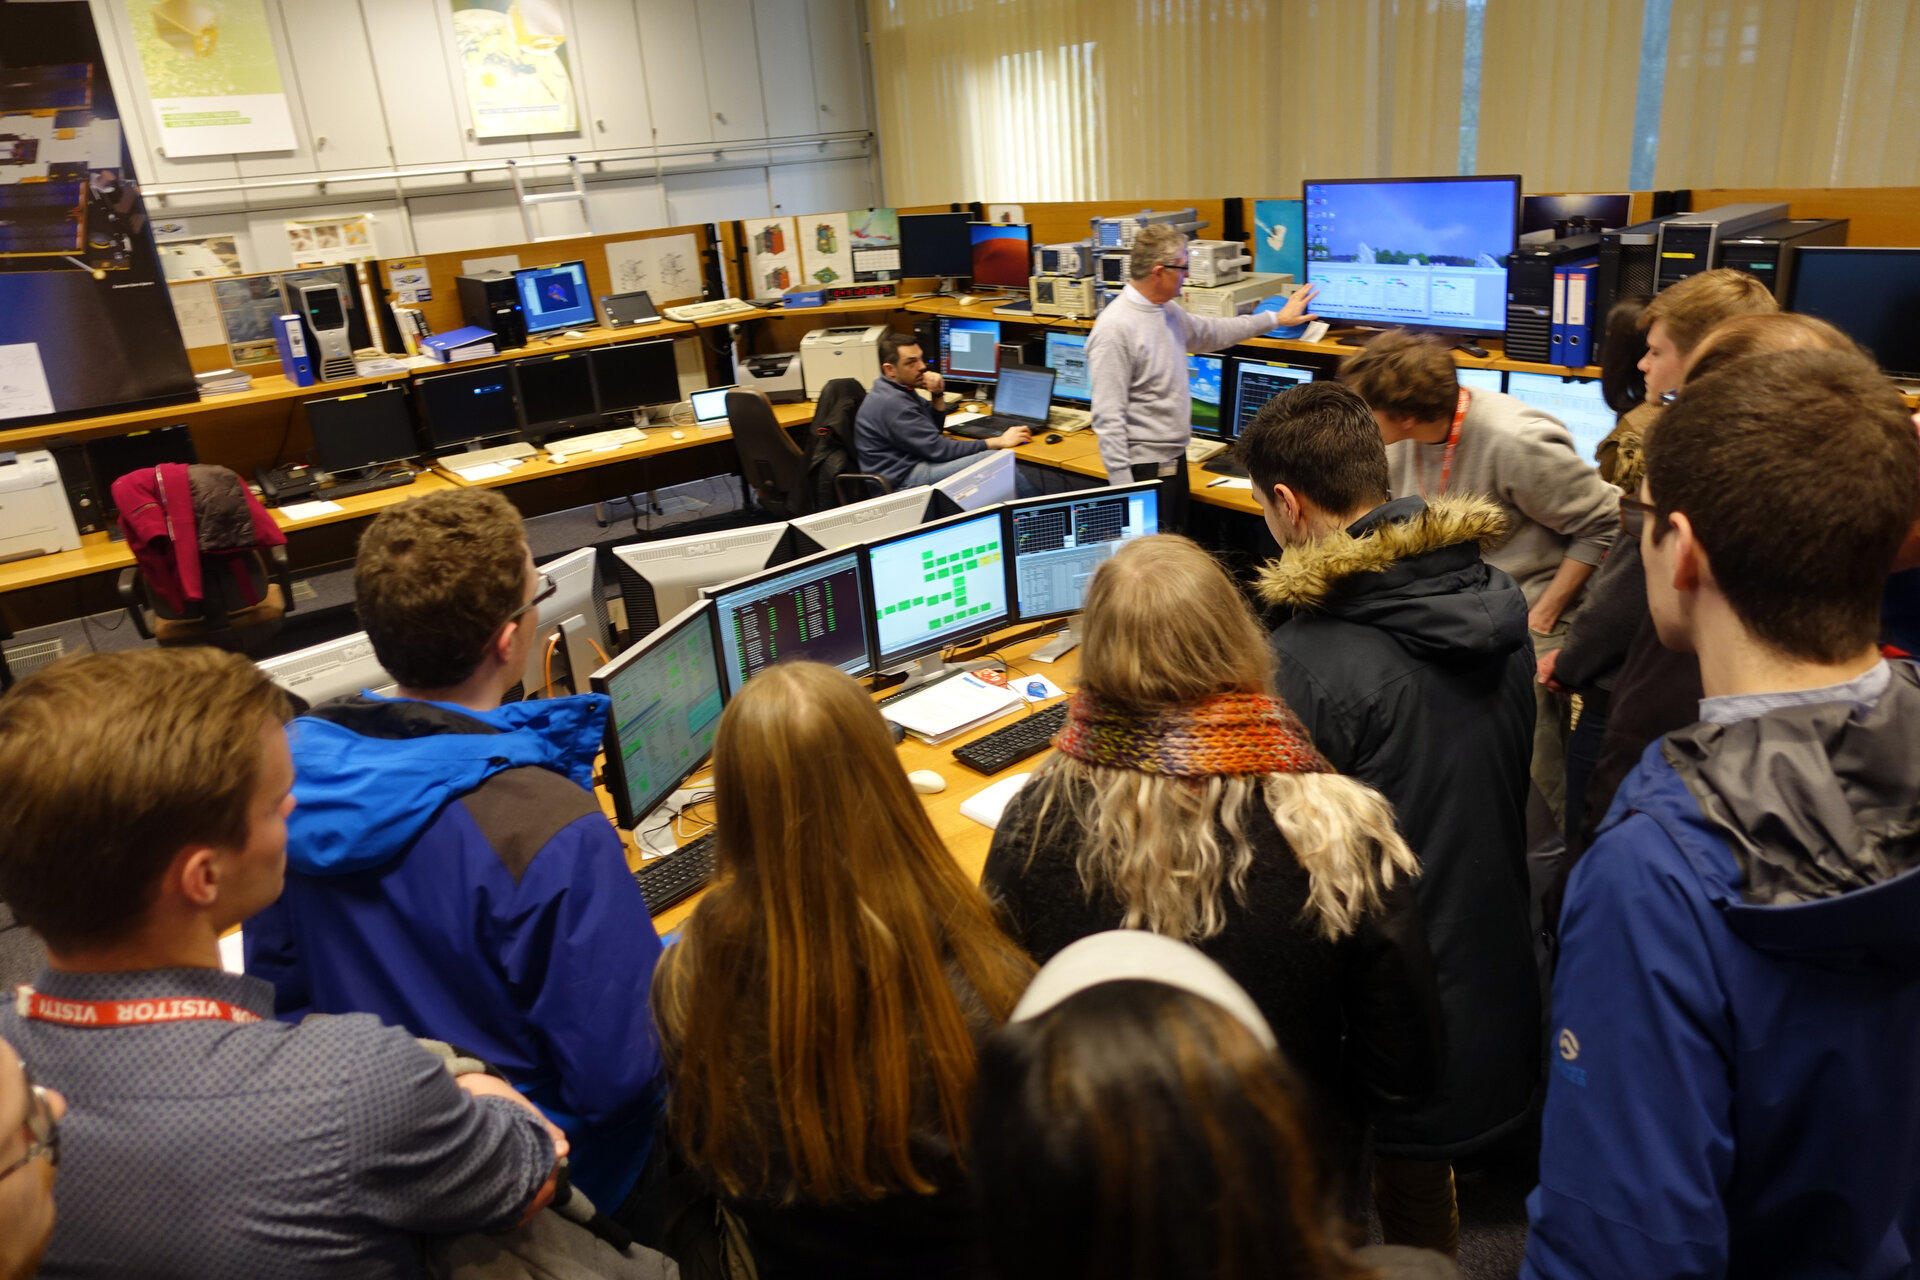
x=492, y=302
x=1689, y=242
x=1768, y=252
x=70, y=456
x=1530, y=272
x=1628, y=268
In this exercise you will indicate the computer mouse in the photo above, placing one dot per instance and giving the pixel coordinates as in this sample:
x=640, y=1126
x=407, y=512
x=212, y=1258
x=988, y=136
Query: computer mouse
x=572, y=333
x=678, y=435
x=1055, y=438
x=927, y=782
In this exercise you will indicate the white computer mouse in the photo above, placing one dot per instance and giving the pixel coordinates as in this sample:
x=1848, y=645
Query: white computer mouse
x=927, y=782
x=679, y=435
x=573, y=333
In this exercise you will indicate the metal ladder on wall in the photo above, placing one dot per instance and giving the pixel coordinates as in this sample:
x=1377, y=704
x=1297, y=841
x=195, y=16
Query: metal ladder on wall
x=576, y=196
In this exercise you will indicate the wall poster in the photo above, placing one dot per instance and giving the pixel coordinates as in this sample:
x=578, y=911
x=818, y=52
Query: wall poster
x=514, y=57
x=213, y=76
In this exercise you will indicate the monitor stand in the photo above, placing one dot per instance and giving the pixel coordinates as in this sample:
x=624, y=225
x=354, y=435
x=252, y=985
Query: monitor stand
x=1061, y=645
x=933, y=668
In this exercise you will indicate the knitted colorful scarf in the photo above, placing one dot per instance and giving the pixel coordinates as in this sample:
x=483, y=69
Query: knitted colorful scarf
x=1229, y=733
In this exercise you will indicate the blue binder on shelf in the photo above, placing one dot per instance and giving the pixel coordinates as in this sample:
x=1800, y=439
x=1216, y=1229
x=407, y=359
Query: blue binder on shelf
x=1578, y=348
x=295, y=360
x=1559, y=322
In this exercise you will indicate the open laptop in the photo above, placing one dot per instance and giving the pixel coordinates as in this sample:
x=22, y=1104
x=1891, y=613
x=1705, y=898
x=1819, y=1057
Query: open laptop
x=1022, y=399
x=627, y=310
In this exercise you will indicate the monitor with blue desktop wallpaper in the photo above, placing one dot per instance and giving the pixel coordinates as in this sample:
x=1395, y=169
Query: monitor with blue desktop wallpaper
x=1427, y=252
x=555, y=297
x=970, y=349
x=1205, y=379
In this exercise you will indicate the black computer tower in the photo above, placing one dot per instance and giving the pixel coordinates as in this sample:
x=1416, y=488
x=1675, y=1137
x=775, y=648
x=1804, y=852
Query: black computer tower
x=1629, y=266
x=492, y=302
x=1530, y=272
x=1768, y=252
x=70, y=456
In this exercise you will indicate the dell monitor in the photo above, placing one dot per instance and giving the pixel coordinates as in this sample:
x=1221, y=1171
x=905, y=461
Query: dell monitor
x=556, y=395
x=362, y=431
x=941, y=584
x=570, y=630
x=811, y=610
x=1871, y=295
x=1206, y=379
x=1067, y=357
x=1257, y=381
x=1002, y=254
x=991, y=480
x=1422, y=252
x=970, y=349
x=468, y=408
x=1577, y=402
x=1481, y=379
x=326, y=672
x=555, y=297
x=658, y=579
x=935, y=244
x=632, y=375
x=667, y=696
x=1058, y=542
x=857, y=522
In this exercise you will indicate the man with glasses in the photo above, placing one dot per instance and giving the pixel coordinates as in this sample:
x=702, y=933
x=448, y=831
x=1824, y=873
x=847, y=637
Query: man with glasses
x=145, y=797
x=450, y=869
x=1137, y=363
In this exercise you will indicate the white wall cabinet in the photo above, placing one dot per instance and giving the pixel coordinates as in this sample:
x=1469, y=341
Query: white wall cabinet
x=675, y=71
x=839, y=65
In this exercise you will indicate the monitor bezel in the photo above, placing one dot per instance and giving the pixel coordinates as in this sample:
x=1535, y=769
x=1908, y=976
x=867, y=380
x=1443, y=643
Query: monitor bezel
x=1230, y=389
x=1421, y=326
x=946, y=348
x=856, y=551
x=1011, y=509
x=614, y=772
x=536, y=431
x=429, y=433
x=406, y=409
x=597, y=355
x=923, y=221
x=973, y=244
x=520, y=274
x=1841, y=250
x=883, y=660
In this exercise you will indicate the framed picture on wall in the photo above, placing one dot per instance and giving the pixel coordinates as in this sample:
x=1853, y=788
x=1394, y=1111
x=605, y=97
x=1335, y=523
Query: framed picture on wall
x=514, y=58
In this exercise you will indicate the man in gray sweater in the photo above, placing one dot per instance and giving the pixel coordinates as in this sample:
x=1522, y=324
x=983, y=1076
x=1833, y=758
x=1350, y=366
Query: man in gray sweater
x=1443, y=438
x=1137, y=362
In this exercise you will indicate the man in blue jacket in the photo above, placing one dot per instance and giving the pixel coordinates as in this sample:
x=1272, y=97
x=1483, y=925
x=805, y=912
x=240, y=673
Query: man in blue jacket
x=448, y=867
x=897, y=435
x=1736, y=1014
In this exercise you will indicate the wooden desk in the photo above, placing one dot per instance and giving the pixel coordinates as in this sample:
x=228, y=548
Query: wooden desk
x=965, y=839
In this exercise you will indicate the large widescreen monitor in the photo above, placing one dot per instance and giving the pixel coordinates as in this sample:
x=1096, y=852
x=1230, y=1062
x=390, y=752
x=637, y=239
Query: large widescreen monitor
x=667, y=695
x=942, y=584
x=1058, y=543
x=362, y=430
x=809, y=610
x=1872, y=295
x=470, y=406
x=1425, y=252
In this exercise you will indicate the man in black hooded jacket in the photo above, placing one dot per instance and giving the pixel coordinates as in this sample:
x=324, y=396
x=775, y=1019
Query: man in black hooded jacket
x=1406, y=656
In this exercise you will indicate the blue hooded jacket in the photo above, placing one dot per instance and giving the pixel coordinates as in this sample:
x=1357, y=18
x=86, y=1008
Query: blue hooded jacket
x=1736, y=1029
x=451, y=872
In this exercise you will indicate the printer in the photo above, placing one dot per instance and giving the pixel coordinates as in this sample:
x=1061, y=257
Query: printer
x=846, y=351
x=776, y=374
x=35, y=518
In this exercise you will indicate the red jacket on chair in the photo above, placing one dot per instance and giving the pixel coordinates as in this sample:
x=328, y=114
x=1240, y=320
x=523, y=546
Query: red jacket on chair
x=169, y=532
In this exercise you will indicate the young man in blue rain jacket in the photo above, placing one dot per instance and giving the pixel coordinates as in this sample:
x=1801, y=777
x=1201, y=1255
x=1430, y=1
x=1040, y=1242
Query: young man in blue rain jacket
x=448, y=867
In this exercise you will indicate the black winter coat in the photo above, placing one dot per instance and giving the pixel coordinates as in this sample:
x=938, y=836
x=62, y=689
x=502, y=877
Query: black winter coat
x=1407, y=658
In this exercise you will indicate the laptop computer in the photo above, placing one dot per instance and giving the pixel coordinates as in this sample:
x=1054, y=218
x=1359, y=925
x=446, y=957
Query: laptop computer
x=1022, y=399
x=626, y=310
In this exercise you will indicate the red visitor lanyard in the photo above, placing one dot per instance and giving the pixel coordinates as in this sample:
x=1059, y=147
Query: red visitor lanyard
x=29, y=1003
x=1453, y=442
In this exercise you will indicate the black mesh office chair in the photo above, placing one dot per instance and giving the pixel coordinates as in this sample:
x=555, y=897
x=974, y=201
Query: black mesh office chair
x=770, y=460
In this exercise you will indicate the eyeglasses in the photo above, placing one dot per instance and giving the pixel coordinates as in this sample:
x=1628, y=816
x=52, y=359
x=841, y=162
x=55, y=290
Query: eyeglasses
x=40, y=1125
x=1633, y=514
x=1180, y=267
x=548, y=589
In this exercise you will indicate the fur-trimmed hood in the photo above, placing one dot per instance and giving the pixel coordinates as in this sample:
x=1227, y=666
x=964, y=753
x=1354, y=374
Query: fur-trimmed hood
x=1414, y=569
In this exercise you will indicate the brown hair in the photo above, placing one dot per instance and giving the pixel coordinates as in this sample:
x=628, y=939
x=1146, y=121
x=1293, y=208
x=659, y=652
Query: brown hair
x=435, y=578
x=1404, y=373
x=1321, y=441
x=1698, y=303
x=891, y=343
x=1764, y=334
x=816, y=1011
x=1800, y=474
x=110, y=764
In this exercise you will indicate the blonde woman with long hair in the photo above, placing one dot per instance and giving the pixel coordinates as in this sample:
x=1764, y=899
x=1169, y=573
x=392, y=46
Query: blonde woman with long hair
x=1186, y=800
x=821, y=1013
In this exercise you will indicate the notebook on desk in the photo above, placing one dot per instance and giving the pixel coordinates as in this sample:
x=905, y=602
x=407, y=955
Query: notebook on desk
x=1023, y=399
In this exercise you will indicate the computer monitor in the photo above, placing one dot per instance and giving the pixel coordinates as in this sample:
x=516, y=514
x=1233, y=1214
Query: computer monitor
x=576, y=612
x=1206, y=379
x=111, y=457
x=991, y=480
x=1002, y=253
x=667, y=696
x=468, y=407
x=1577, y=402
x=1067, y=357
x=325, y=672
x=1426, y=252
x=1058, y=543
x=633, y=375
x=935, y=244
x=1257, y=381
x=658, y=579
x=710, y=406
x=1871, y=295
x=941, y=584
x=811, y=610
x=360, y=431
x=555, y=297
x=1481, y=379
x=556, y=395
x=858, y=522
x=970, y=349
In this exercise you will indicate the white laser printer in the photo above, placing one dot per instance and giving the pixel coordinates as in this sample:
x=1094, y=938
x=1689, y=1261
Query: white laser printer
x=35, y=519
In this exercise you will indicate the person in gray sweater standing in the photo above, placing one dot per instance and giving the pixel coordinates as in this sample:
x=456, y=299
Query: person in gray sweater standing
x=1137, y=362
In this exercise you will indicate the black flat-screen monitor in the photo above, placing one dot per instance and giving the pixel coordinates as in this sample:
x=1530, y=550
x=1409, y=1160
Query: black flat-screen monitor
x=935, y=244
x=363, y=430
x=1871, y=295
x=936, y=586
x=111, y=457
x=1257, y=381
x=1428, y=253
x=468, y=406
x=633, y=375
x=556, y=394
x=1059, y=542
x=555, y=297
x=667, y=695
x=810, y=609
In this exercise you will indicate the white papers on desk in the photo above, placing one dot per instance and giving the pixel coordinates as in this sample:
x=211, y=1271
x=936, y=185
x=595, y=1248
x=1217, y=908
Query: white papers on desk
x=1231, y=482
x=308, y=510
x=485, y=471
x=951, y=707
x=955, y=419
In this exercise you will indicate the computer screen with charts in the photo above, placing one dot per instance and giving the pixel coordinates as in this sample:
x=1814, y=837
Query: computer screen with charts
x=970, y=349
x=1206, y=376
x=1481, y=379
x=1413, y=251
x=1577, y=402
x=1067, y=357
x=939, y=585
x=810, y=609
x=1058, y=543
x=555, y=297
x=1257, y=381
x=667, y=695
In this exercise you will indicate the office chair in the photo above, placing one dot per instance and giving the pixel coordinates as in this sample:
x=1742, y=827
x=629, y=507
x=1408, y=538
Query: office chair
x=858, y=486
x=769, y=459
x=223, y=618
x=834, y=445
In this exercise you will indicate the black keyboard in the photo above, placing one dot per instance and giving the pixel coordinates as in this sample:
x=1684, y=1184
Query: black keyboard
x=1003, y=748
x=347, y=488
x=988, y=428
x=678, y=875
x=1225, y=465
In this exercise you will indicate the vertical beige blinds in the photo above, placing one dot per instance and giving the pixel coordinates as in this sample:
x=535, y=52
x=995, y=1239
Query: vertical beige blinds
x=1062, y=100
